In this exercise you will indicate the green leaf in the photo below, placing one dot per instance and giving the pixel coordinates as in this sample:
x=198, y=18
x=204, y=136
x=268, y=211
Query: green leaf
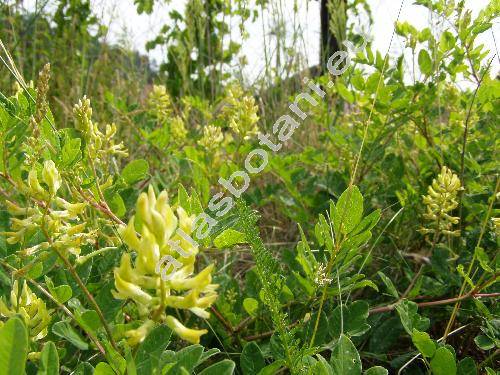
x=461, y=271
x=484, y=342
x=116, y=204
x=206, y=355
x=483, y=259
x=225, y=367
x=64, y=330
x=251, y=305
x=115, y=359
x=322, y=367
x=377, y=370
x=90, y=319
x=388, y=284
x=149, y=353
x=229, y=238
x=84, y=368
x=353, y=320
x=423, y=343
x=446, y=42
x=13, y=346
x=70, y=153
x=345, y=358
x=443, y=362
x=385, y=335
x=49, y=360
x=410, y=318
x=272, y=368
x=467, y=366
x=348, y=210
x=252, y=360
x=135, y=171
x=344, y=92
x=183, y=197
x=131, y=370
x=481, y=28
x=63, y=293
x=424, y=62
x=187, y=358
x=321, y=334
x=103, y=368
x=368, y=222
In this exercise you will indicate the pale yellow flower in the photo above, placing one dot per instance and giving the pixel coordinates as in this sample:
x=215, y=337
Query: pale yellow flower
x=440, y=201
x=151, y=234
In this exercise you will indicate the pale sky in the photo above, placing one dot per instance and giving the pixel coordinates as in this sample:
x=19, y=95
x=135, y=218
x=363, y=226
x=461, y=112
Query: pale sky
x=133, y=30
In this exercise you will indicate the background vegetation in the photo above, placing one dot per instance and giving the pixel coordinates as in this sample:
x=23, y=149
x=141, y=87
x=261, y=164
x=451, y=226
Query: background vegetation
x=369, y=243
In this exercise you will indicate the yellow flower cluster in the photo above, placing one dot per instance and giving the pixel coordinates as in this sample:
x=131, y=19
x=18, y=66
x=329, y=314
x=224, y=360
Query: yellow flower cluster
x=212, y=137
x=100, y=145
x=159, y=102
x=54, y=215
x=240, y=111
x=41, y=94
x=160, y=106
x=440, y=201
x=178, y=130
x=156, y=222
x=30, y=307
x=32, y=147
x=496, y=224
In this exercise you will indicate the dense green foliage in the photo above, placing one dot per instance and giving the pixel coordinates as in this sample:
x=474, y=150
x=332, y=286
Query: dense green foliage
x=368, y=243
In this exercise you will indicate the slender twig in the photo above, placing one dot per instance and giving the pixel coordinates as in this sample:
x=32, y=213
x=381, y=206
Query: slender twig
x=245, y=322
x=391, y=307
x=227, y=325
x=84, y=258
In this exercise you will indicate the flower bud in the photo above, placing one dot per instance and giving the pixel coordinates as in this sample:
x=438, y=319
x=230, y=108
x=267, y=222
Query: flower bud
x=51, y=176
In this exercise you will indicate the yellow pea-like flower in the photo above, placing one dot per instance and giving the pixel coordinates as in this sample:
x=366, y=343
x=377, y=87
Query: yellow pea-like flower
x=30, y=307
x=140, y=280
x=51, y=176
x=188, y=334
x=440, y=201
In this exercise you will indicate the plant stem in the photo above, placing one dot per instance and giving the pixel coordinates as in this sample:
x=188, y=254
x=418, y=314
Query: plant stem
x=85, y=258
x=382, y=309
x=227, y=325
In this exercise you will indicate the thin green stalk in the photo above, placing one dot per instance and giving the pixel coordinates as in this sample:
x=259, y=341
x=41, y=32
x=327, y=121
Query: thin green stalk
x=84, y=258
